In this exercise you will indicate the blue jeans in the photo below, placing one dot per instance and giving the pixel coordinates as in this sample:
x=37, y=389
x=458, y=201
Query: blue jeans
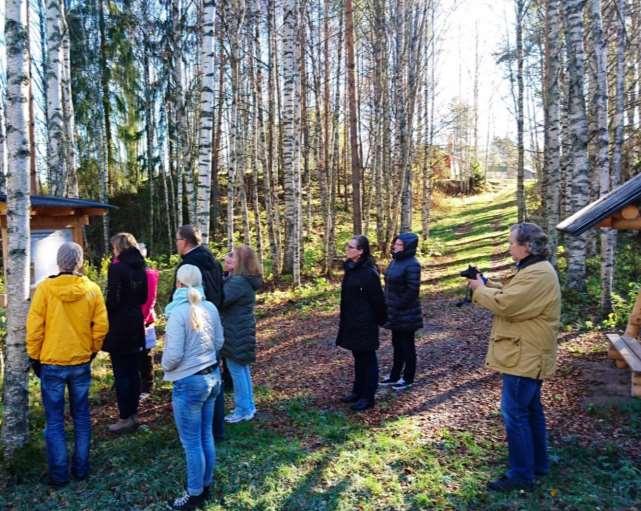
x=53, y=380
x=525, y=427
x=193, y=403
x=243, y=391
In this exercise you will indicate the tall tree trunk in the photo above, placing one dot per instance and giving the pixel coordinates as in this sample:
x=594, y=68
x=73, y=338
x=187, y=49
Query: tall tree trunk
x=3, y=143
x=55, y=119
x=520, y=168
x=357, y=213
x=552, y=153
x=105, y=77
x=601, y=141
x=573, y=12
x=15, y=431
x=291, y=138
x=206, y=119
x=70, y=147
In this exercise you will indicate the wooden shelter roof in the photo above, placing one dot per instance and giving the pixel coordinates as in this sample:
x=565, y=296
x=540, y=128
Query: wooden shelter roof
x=56, y=206
x=607, y=206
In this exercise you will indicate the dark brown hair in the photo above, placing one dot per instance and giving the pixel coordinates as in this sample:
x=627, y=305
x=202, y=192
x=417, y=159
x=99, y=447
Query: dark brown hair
x=191, y=234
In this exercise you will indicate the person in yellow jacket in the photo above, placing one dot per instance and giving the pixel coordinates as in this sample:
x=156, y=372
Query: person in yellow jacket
x=66, y=325
x=523, y=346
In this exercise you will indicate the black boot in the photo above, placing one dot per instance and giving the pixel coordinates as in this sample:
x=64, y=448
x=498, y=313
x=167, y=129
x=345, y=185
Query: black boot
x=362, y=404
x=187, y=502
x=350, y=398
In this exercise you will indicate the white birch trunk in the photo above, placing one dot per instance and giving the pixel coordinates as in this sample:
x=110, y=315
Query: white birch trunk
x=291, y=138
x=15, y=398
x=552, y=144
x=207, y=80
x=601, y=142
x=3, y=144
x=70, y=145
x=55, y=113
x=578, y=124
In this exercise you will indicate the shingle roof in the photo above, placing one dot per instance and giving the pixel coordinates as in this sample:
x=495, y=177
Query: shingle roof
x=52, y=202
x=600, y=209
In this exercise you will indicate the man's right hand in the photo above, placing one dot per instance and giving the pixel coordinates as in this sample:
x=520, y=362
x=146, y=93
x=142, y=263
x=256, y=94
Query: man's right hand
x=36, y=366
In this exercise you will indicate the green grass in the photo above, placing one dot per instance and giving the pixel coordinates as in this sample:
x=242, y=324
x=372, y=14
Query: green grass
x=325, y=460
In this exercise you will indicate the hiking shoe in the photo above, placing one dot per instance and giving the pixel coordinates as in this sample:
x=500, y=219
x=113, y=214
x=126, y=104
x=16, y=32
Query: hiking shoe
x=54, y=483
x=401, y=385
x=505, y=484
x=187, y=502
x=235, y=417
x=362, y=404
x=349, y=398
x=123, y=425
x=390, y=381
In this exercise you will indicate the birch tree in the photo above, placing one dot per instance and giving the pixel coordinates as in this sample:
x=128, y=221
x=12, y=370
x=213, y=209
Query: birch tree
x=552, y=139
x=291, y=138
x=601, y=138
x=15, y=399
x=207, y=80
x=578, y=127
x=55, y=115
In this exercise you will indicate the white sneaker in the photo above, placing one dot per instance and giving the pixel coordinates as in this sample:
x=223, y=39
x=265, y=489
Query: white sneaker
x=233, y=418
x=388, y=381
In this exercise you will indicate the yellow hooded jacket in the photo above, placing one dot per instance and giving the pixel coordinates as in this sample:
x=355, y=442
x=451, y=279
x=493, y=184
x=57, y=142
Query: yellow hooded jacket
x=67, y=320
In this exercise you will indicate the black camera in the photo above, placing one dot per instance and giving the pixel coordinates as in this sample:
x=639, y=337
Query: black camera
x=471, y=273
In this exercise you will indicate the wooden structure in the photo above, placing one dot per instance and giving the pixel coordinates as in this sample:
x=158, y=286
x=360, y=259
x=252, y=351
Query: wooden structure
x=619, y=210
x=54, y=220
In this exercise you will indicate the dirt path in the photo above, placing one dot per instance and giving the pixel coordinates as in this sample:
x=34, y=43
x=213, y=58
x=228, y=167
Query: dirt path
x=453, y=389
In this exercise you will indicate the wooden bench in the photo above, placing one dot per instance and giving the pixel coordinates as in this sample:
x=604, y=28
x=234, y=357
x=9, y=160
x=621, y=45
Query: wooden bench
x=626, y=352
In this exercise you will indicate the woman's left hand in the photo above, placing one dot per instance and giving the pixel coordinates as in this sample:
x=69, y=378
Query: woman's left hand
x=475, y=284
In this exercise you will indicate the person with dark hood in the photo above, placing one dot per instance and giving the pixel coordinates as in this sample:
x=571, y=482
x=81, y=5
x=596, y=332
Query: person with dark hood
x=188, y=245
x=239, y=325
x=404, y=316
x=362, y=310
x=126, y=293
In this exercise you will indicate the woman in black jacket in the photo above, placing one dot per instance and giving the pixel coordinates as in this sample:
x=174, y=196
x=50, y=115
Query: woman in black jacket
x=404, y=316
x=362, y=311
x=126, y=292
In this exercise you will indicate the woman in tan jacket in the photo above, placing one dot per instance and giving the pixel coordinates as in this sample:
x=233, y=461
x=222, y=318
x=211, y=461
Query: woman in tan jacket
x=527, y=310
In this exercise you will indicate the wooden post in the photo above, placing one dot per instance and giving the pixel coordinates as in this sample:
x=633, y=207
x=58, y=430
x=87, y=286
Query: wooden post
x=634, y=320
x=635, y=384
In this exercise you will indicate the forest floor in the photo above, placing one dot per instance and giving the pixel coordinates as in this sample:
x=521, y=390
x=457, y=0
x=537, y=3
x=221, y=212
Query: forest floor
x=433, y=446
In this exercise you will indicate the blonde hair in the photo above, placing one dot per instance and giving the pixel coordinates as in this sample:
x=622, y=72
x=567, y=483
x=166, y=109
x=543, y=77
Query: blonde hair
x=190, y=276
x=246, y=261
x=122, y=241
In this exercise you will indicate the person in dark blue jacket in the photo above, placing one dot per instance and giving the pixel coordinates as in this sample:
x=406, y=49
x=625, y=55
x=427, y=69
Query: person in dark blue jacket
x=404, y=316
x=362, y=311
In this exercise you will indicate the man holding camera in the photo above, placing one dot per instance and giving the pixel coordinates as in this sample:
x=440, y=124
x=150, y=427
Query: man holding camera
x=527, y=310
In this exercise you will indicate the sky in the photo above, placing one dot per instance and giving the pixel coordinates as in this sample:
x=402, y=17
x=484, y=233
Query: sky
x=494, y=19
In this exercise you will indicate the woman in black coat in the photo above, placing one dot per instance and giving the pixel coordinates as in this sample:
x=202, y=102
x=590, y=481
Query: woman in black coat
x=362, y=311
x=404, y=316
x=126, y=293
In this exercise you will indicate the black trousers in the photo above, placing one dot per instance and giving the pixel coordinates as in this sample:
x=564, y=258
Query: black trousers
x=127, y=380
x=146, y=370
x=404, y=356
x=365, y=374
x=219, y=406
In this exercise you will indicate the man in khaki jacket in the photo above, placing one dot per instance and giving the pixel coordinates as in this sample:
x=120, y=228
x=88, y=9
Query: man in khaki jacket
x=527, y=310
